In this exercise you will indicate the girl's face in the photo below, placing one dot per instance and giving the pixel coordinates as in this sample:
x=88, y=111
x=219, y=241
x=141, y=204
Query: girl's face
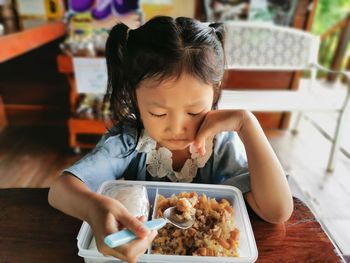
x=172, y=111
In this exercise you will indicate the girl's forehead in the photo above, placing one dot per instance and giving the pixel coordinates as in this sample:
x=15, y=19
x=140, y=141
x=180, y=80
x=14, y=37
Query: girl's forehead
x=156, y=82
x=171, y=81
x=183, y=90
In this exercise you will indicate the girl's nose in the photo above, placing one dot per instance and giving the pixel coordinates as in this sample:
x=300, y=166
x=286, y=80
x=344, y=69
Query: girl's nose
x=177, y=125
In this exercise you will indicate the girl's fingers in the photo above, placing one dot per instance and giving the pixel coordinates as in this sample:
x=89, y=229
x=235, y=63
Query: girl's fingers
x=202, y=135
x=114, y=253
x=133, y=224
x=111, y=225
x=143, y=219
x=138, y=246
x=123, y=217
x=133, y=250
x=202, y=148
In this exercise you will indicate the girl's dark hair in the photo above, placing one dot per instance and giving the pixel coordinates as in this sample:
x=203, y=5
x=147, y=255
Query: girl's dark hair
x=163, y=47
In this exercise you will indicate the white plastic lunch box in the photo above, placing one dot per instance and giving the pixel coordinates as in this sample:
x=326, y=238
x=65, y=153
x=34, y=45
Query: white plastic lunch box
x=247, y=246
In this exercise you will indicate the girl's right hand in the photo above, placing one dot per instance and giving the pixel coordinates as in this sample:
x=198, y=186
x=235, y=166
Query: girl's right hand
x=106, y=216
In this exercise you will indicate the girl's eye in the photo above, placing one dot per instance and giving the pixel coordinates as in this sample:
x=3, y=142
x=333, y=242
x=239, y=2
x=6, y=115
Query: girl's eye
x=194, y=114
x=157, y=115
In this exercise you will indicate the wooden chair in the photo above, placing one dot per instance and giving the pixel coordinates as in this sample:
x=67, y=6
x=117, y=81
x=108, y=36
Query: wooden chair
x=265, y=47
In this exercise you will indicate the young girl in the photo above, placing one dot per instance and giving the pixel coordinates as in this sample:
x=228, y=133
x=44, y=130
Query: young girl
x=164, y=79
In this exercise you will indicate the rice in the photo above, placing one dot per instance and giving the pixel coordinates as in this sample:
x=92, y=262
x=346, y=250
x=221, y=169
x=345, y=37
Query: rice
x=212, y=234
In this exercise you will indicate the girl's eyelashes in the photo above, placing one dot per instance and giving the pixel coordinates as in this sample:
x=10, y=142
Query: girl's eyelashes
x=193, y=114
x=157, y=115
x=162, y=115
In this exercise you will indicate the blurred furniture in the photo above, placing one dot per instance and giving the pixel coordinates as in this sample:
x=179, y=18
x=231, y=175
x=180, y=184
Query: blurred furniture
x=3, y=119
x=253, y=46
x=35, y=34
x=77, y=126
x=237, y=79
x=32, y=89
x=29, y=225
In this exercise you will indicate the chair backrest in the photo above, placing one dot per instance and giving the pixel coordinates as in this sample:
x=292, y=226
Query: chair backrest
x=259, y=46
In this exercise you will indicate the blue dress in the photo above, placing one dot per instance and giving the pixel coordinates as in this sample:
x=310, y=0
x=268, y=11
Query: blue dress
x=116, y=157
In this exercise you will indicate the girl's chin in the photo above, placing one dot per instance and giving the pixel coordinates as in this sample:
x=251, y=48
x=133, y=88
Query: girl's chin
x=176, y=146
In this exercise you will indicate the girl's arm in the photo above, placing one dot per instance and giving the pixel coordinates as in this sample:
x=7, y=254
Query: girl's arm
x=105, y=215
x=270, y=196
x=71, y=196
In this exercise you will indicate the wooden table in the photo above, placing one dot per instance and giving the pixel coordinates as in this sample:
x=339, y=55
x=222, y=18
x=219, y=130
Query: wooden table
x=32, y=231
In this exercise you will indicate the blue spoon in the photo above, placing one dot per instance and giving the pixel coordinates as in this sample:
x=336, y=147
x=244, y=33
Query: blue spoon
x=125, y=236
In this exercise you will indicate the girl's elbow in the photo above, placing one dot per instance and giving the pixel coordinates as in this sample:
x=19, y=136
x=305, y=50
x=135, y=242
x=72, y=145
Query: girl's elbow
x=278, y=219
x=280, y=215
x=52, y=196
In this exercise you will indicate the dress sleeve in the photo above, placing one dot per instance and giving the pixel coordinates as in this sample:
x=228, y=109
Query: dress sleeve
x=107, y=161
x=230, y=165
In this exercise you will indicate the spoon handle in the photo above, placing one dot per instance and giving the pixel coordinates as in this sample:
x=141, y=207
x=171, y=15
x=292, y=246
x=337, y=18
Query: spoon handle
x=125, y=236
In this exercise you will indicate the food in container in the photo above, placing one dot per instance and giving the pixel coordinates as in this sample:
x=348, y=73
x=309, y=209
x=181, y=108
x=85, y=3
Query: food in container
x=247, y=249
x=212, y=234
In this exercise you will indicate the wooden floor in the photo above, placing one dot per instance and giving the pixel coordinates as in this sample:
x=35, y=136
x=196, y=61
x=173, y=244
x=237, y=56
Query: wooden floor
x=35, y=156
x=305, y=158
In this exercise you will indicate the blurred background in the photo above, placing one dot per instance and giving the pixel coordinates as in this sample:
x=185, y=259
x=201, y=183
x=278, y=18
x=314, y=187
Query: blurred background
x=53, y=106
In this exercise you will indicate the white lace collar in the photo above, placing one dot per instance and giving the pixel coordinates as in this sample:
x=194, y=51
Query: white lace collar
x=159, y=161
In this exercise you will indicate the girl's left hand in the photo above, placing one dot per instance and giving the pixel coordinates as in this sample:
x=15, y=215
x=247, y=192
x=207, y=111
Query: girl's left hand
x=217, y=121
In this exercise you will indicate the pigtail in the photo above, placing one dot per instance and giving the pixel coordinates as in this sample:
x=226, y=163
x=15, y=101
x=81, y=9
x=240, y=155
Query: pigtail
x=116, y=58
x=119, y=88
x=219, y=31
